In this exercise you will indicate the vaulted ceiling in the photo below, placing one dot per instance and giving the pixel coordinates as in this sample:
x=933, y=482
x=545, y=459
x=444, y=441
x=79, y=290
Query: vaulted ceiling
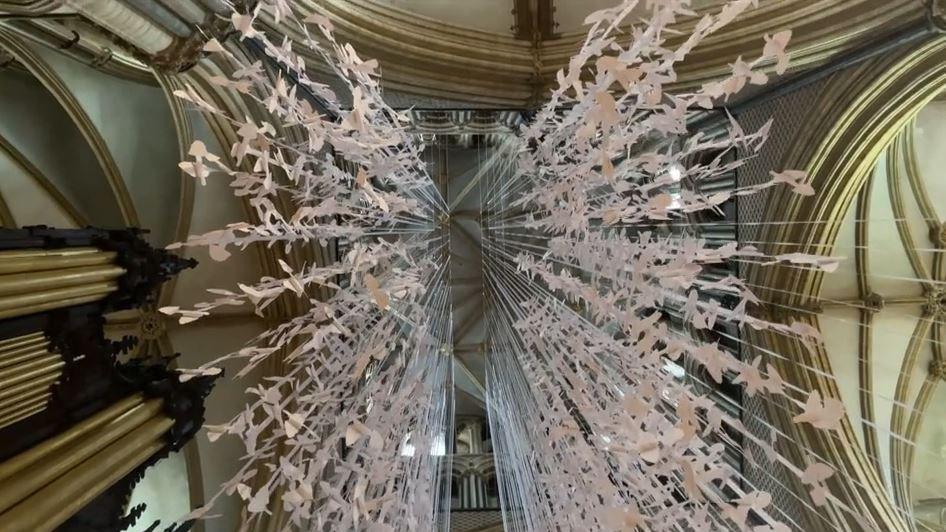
x=886, y=308
x=513, y=17
x=91, y=135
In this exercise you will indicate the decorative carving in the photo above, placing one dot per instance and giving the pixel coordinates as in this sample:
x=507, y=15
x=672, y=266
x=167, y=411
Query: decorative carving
x=183, y=401
x=6, y=59
x=874, y=302
x=936, y=14
x=935, y=306
x=938, y=235
x=938, y=369
x=151, y=325
x=147, y=267
x=181, y=55
x=184, y=53
x=454, y=122
x=481, y=465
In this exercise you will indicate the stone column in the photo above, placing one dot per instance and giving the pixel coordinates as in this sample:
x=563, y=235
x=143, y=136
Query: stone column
x=471, y=483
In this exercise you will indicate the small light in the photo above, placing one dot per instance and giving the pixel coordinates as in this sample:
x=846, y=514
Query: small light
x=676, y=173
x=439, y=445
x=675, y=201
x=407, y=449
x=674, y=369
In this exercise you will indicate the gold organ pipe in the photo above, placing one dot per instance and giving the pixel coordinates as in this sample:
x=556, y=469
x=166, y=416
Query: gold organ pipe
x=22, y=304
x=34, y=260
x=22, y=344
x=27, y=370
x=36, y=280
x=43, y=486
x=28, y=363
x=14, y=358
x=32, y=370
x=55, y=503
x=27, y=405
x=73, y=434
x=73, y=301
x=13, y=418
x=40, y=344
x=38, y=475
x=43, y=296
x=53, y=263
x=39, y=252
x=20, y=416
x=19, y=283
x=25, y=396
x=11, y=343
x=17, y=390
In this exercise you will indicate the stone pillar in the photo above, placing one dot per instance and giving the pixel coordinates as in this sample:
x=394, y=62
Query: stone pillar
x=470, y=429
x=469, y=466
